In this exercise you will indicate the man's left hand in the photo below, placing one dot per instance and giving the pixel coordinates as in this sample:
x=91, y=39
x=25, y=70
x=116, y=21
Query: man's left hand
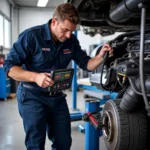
x=105, y=48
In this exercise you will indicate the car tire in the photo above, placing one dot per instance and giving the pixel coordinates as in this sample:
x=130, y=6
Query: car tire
x=131, y=101
x=124, y=131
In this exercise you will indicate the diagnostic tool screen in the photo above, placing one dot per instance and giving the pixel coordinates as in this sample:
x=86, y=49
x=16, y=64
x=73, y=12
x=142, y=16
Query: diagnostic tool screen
x=62, y=76
x=62, y=79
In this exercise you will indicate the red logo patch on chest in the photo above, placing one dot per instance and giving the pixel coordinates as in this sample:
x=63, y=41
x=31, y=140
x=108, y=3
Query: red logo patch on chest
x=67, y=51
x=46, y=49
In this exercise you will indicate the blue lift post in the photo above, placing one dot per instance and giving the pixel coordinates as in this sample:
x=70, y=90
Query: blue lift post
x=74, y=83
x=76, y=115
x=74, y=87
x=91, y=134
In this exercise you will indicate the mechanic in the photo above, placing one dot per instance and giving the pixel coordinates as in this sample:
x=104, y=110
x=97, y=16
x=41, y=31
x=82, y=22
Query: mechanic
x=37, y=52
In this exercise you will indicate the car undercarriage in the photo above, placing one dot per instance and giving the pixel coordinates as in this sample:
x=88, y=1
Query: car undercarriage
x=110, y=16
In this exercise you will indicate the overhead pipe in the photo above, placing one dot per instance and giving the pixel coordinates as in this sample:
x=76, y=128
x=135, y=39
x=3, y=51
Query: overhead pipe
x=125, y=10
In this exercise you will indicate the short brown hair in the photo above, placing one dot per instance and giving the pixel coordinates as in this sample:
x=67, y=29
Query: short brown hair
x=67, y=11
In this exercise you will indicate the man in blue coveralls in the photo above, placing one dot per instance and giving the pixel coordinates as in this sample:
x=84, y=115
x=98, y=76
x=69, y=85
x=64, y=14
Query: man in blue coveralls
x=37, y=51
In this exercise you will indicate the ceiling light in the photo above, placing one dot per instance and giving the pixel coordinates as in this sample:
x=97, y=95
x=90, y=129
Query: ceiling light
x=42, y=3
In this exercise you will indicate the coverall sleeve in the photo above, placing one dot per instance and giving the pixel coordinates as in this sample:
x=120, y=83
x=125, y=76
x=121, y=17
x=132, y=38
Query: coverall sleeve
x=19, y=53
x=80, y=57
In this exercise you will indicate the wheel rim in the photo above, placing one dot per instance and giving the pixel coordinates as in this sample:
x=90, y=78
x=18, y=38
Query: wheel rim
x=108, y=131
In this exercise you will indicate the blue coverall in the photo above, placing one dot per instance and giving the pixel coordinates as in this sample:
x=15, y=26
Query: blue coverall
x=36, y=51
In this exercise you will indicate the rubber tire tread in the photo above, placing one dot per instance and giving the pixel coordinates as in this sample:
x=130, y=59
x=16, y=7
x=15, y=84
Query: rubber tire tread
x=133, y=129
x=130, y=101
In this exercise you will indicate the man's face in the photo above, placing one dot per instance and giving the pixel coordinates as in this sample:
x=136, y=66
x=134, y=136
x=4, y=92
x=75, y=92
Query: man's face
x=62, y=30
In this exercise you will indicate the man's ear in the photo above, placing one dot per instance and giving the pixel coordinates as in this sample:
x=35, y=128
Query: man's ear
x=54, y=20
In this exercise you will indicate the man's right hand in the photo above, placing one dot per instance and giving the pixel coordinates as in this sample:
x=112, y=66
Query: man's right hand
x=44, y=80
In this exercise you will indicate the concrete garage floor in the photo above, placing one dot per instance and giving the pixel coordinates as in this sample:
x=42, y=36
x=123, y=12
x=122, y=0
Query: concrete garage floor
x=11, y=129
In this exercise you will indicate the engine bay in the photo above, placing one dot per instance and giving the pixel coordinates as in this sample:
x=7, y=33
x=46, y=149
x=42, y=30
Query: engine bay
x=124, y=64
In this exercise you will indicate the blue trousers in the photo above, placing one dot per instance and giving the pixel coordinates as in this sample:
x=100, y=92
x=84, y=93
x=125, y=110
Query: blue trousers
x=42, y=113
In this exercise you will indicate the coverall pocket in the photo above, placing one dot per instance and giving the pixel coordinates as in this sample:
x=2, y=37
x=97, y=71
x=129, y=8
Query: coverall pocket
x=46, y=55
x=67, y=57
x=21, y=94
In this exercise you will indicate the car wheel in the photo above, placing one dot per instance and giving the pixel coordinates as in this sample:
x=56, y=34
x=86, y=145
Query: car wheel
x=124, y=131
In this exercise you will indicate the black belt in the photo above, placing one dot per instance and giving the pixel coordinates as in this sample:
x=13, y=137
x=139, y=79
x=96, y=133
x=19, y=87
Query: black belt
x=36, y=90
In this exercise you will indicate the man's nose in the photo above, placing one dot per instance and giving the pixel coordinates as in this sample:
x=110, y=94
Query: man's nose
x=68, y=34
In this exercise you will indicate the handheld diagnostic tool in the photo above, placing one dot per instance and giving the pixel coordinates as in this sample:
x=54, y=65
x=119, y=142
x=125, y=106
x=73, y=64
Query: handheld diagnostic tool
x=62, y=80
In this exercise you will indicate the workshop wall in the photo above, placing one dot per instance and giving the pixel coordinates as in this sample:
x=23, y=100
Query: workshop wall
x=86, y=40
x=15, y=24
x=29, y=17
x=5, y=8
x=5, y=14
